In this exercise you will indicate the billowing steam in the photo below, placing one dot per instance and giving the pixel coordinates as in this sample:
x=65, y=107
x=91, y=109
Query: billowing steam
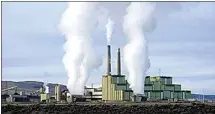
x=137, y=22
x=77, y=24
x=109, y=28
x=46, y=87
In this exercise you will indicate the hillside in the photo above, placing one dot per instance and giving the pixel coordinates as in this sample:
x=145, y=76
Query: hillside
x=28, y=86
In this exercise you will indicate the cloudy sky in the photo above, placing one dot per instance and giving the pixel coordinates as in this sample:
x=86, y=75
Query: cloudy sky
x=182, y=45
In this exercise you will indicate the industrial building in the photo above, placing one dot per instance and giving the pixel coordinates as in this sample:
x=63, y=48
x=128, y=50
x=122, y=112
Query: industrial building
x=93, y=93
x=161, y=87
x=116, y=87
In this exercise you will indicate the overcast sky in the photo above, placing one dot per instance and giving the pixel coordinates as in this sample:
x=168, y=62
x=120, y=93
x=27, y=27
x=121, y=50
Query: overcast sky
x=182, y=45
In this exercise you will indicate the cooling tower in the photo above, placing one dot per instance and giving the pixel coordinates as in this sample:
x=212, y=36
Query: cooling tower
x=108, y=60
x=118, y=64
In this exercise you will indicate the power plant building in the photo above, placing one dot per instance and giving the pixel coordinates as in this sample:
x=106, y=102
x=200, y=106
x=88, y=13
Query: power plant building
x=116, y=87
x=161, y=87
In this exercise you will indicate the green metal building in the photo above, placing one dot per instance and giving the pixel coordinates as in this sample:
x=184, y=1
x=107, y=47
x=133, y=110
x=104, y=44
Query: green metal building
x=161, y=87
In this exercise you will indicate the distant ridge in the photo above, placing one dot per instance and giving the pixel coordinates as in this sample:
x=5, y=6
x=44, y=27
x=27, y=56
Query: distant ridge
x=28, y=86
x=206, y=97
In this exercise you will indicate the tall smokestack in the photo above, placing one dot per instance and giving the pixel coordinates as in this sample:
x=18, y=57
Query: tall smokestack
x=118, y=64
x=108, y=60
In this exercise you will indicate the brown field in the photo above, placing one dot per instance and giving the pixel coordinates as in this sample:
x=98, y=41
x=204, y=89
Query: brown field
x=111, y=108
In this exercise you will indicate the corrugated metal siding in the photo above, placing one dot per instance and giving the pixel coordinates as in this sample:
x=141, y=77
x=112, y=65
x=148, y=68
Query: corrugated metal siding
x=118, y=95
x=120, y=87
x=148, y=88
x=113, y=80
x=169, y=87
x=166, y=94
x=118, y=80
x=169, y=81
x=157, y=85
x=157, y=95
x=109, y=90
x=162, y=80
x=126, y=95
x=171, y=94
x=178, y=95
x=162, y=87
x=122, y=80
x=183, y=94
x=113, y=87
x=188, y=95
x=149, y=94
x=122, y=95
x=104, y=88
x=177, y=87
x=153, y=94
x=147, y=81
x=162, y=95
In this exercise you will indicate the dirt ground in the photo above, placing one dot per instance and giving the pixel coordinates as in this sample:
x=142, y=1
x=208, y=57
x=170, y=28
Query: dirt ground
x=147, y=108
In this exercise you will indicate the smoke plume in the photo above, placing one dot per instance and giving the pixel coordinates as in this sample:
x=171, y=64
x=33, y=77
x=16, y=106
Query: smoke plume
x=109, y=28
x=138, y=20
x=77, y=24
x=46, y=87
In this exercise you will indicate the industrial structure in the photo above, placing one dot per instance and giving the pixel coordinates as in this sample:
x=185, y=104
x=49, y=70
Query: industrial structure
x=161, y=87
x=116, y=87
x=93, y=93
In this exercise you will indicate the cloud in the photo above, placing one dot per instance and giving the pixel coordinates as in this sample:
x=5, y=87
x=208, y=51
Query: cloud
x=195, y=11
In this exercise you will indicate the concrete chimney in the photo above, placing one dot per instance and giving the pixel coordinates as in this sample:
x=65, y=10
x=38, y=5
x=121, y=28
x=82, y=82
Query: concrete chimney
x=118, y=63
x=108, y=60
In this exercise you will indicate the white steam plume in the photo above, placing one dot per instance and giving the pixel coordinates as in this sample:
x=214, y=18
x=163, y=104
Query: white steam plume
x=137, y=22
x=45, y=85
x=77, y=24
x=109, y=28
x=46, y=89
